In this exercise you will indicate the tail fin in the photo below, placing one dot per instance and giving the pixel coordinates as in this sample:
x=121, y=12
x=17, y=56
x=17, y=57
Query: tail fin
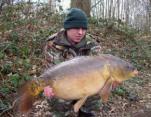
x=29, y=93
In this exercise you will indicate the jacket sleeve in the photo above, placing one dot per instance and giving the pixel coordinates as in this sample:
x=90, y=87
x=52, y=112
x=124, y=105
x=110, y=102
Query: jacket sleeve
x=52, y=53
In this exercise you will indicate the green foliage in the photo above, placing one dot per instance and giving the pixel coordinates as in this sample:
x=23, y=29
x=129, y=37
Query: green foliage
x=6, y=68
x=14, y=37
x=5, y=90
x=121, y=91
x=13, y=82
x=128, y=31
x=114, y=26
x=14, y=79
x=26, y=64
x=2, y=55
x=99, y=22
x=58, y=114
x=25, y=51
x=4, y=105
x=12, y=49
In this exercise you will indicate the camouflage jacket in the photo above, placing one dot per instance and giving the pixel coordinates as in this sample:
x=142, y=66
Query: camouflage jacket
x=59, y=49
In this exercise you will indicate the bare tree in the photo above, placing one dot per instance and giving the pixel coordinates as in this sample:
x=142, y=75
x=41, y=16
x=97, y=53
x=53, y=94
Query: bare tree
x=136, y=13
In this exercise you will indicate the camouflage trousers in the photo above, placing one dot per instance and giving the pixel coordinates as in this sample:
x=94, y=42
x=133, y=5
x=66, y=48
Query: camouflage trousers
x=61, y=108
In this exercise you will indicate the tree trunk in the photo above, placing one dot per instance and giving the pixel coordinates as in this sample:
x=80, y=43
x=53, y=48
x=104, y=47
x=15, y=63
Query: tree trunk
x=127, y=12
x=110, y=9
x=85, y=5
x=150, y=15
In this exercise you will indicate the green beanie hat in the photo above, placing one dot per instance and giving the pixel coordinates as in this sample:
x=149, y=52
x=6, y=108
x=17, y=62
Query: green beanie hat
x=76, y=18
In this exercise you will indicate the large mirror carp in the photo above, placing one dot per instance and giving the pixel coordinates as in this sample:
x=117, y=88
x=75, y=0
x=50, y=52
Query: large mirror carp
x=78, y=79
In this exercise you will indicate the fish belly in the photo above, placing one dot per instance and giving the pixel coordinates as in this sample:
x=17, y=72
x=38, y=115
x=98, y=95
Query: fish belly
x=76, y=88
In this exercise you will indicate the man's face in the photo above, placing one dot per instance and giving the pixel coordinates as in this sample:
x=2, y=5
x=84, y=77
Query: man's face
x=75, y=35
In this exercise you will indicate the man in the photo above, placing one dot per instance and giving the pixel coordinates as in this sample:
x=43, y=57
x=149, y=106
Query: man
x=70, y=42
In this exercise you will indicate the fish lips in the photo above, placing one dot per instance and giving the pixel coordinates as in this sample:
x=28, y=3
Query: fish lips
x=135, y=72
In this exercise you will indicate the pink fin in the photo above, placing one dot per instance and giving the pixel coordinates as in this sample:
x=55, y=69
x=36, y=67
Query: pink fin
x=106, y=90
x=115, y=84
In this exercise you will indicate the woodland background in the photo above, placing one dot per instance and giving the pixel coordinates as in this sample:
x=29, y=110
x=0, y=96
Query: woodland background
x=121, y=27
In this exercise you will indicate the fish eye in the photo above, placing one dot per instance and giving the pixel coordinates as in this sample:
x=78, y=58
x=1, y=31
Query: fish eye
x=130, y=67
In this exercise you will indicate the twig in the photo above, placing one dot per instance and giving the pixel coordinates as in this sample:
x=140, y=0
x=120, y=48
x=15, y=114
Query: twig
x=2, y=44
x=10, y=115
x=10, y=108
x=5, y=47
x=96, y=4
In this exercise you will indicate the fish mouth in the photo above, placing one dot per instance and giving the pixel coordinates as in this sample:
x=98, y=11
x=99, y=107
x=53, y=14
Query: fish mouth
x=135, y=72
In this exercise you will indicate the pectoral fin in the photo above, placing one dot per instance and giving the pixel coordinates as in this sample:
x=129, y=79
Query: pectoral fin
x=79, y=103
x=106, y=90
x=115, y=84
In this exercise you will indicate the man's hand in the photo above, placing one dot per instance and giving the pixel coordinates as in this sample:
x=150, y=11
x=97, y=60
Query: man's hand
x=48, y=92
x=96, y=50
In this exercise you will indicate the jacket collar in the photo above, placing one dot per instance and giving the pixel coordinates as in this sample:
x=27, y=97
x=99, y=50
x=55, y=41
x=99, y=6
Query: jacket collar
x=61, y=39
